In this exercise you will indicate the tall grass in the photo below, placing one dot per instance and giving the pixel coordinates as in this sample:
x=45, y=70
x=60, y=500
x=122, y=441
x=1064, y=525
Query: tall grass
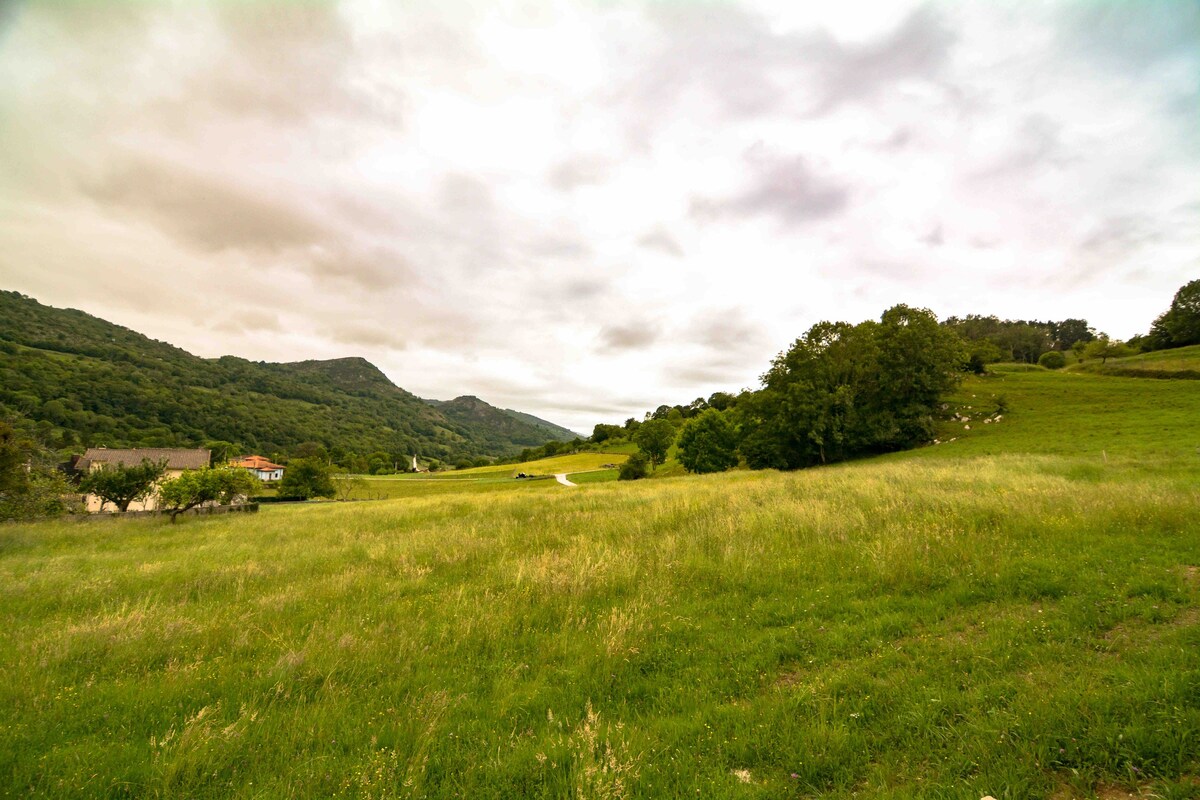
x=998, y=626
x=945, y=623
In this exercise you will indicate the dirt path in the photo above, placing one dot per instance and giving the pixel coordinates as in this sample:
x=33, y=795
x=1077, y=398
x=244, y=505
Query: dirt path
x=562, y=478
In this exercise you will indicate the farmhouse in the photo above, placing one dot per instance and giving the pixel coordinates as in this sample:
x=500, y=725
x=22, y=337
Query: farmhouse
x=177, y=460
x=262, y=468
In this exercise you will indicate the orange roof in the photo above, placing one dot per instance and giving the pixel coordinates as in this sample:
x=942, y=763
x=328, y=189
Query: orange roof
x=254, y=462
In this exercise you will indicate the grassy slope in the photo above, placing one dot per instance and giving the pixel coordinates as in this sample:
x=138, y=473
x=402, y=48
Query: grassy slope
x=1181, y=362
x=1071, y=413
x=942, y=623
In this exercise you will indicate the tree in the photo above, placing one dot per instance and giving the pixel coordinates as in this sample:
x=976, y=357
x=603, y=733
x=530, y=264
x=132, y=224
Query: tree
x=16, y=451
x=844, y=390
x=636, y=467
x=721, y=401
x=222, y=451
x=602, y=432
x=1070, y=331
x=1179, y=325
x=1104, y=348
x=708, y=443
x=199, y=486
x=121, y=485
x=655, y=437
x=347, y=487
x=311, y=450
x=30, y=486
x=306, y=478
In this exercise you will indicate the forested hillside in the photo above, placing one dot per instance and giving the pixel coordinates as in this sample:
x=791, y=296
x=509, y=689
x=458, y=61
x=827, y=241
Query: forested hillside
x=88, y=382
x=504, y=424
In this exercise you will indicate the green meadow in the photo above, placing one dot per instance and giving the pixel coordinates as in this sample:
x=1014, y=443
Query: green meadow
x=579, y=468
x=1013, y=612
x=1175, y=363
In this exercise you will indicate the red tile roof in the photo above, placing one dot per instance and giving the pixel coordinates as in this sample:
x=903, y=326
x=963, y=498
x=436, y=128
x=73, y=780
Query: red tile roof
x=254, y=462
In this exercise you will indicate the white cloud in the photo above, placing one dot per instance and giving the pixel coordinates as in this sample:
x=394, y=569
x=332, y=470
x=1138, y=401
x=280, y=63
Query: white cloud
x=583, y=211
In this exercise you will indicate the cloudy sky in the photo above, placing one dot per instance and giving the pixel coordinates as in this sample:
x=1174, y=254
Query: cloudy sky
x=585, y=209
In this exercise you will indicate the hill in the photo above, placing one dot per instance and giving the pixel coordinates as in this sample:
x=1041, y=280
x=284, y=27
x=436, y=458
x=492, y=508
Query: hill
x=1182, y=363
x=1013, y=613
x=86, y=381
x=555, y=432
x=511, y=427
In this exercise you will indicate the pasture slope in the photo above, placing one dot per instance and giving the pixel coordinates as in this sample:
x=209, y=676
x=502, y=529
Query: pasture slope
x=1014, y=613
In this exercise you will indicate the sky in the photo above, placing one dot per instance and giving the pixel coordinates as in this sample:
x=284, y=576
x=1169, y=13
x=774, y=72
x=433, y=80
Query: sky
x=583, y=210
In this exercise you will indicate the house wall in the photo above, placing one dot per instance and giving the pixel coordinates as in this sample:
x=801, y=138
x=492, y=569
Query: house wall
x=149, y=504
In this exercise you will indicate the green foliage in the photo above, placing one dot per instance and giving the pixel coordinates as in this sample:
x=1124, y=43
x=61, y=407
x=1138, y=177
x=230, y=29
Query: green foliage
x=1052, y=359
x=991, y=339
x=311, y=450
x=222, y=452
x=307, y=478
x=655, y=437
x=1179, y=325
x=30, y=486
x=1104, y=348
x=636, y=467
x=121, y=485
x=708, y=443
x=847, y=390
x=1069, y=331
x=980, y=353
x=602, y=432
x=16, y=451
x=95, y=383
x=197, y=487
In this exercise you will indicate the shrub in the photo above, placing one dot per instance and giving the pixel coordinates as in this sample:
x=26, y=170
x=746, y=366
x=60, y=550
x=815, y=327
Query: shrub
x=1052, y=359
x=635, y=468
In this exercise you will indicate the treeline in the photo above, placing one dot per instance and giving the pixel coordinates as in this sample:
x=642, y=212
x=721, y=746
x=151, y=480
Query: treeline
x=991, y=340
x=1178, y=326
x=843, y=391
x=840, y=391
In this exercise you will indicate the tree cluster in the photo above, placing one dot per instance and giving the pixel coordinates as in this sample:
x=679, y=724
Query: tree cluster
x=839, y=392
x=844, y=390
x=1179, y=325
x=990, y=339
x=30, y=484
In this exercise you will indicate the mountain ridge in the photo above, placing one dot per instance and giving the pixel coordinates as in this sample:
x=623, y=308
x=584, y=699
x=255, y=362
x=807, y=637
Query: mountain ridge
x=84, y=381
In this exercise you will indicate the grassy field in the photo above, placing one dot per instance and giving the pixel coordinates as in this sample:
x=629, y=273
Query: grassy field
x=1014, y=613
x=580, y=468
x=575, y=462
x=1181, y=362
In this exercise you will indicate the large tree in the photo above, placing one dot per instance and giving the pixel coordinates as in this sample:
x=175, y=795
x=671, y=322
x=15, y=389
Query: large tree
x=306, y=478
x=708, y=443
x=655, y=437
x=121, y=485
x=1179, y=325
x=1105, y=348
x=196, y=487
x=30, y=486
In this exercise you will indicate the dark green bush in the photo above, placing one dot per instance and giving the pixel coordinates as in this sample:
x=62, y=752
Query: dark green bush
x=1052, y=359
x=637, y=467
